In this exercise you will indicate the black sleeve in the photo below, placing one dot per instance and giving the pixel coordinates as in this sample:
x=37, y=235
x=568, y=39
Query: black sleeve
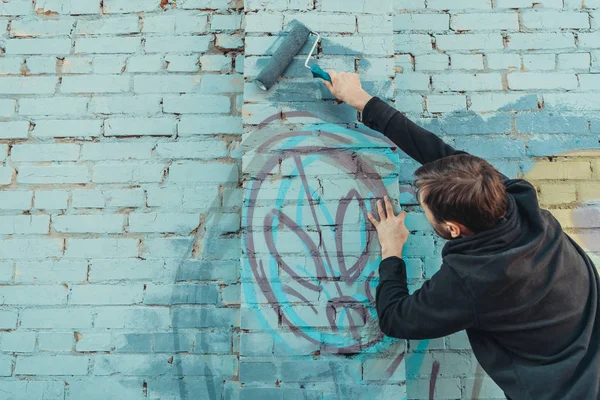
x=441, y=307
x=422, y=145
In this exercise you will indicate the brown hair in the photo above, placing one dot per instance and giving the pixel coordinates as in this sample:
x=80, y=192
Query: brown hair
x=464, y=189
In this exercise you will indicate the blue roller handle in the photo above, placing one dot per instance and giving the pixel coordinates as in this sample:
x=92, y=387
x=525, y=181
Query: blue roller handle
x=319, y=73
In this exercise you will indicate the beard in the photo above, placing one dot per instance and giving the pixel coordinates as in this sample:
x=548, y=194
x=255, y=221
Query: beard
x=442, y=233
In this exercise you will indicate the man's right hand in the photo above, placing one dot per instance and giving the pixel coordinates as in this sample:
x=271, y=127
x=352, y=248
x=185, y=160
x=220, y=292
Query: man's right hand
x=346, y=87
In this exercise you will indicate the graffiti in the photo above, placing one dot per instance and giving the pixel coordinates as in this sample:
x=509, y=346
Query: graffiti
x=309, y=251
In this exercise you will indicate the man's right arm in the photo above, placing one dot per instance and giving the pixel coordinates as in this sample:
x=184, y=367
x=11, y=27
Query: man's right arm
x=419, y=143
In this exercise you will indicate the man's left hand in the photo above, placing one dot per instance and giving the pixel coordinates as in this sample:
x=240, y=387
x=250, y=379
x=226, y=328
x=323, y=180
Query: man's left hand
x=391, y=230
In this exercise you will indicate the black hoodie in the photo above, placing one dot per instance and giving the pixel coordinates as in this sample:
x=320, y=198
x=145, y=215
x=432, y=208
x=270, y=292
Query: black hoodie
x=524, y=291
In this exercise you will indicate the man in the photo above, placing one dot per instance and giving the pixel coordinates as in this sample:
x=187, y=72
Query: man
x=524, y=291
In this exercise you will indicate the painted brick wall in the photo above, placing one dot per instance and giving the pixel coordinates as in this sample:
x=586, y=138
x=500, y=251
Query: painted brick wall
x=119, y=206
x=149, y=253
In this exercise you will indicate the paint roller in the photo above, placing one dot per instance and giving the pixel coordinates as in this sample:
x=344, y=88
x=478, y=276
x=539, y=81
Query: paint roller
x=289, y=48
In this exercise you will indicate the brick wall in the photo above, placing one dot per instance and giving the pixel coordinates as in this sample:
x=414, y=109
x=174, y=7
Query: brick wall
x=119, y=209
x=149, y=253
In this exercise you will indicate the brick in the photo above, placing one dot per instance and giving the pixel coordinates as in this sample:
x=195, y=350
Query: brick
x=38, y=46
x=130, y=6
x=116, y=151
x=8, y=319
x=172, y=342
x=140, y=127
x=466, y=61
x=319, y=22
x=36, y=28
x=486, y=387
x=51, y=199
x=24, y=224
x=410, y=103
x=106, y=248
x=549, y=20
x=150, y=63
x=73, y=7
x=541, y=41
x=216, y=63
x=18, y=342
x=107, y=45
x=588, y=81
x=196, y=104
x=196, y=44
x=7, y=107
x=413, y=43
x=439, y=103
x=557, y=193
x=128, y=269
x=432, y=62
x=55, y=342
x=50, y=271
x=15, y=200
x=53, y=174
x=45, y=152
x=59, y=318
x=214, y=84
x=531, y=80
x=125, y=198
x=33, y=295
x=279, y=5
x=485, y=21
x=28, y=85
x=206, y=318
x=106, y=294
x=192, y=150
x=109, y=26
x=541, y=62
x=88, y=223
x=360, y=7
x=109, y=64
x=166, y=84
x=83, y=198
x=412, y=81
x=14, y=130
x=459, y=82
x=143, y=104
x=213, y=343
x=469, y=42
x=182, y=293
x=42, y=65
x=175, y=24
x=203, y=172
x=172, y=247
x=95, y=84
x=18, y=7
x=201, y=125
x=375, y=24
x=140, y=318
x=503, y=61
x=93, y=342
x=445, y=388
x=365, y=45
x=320, y=370
x=528, y=4
x=75, y=65
x=134, y=342
x=55, y=106
x=230, y=22
x=173, y=223
x=550, y=123
x=127, y=173
x=67, y=128
x=484, y=102
x=464, y=4
x=561, y=170
x=178, y=63
x=572, y=61
x=51, y=365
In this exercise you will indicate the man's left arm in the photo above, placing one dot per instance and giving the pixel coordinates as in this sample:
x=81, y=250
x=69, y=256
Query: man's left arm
x=442, y=306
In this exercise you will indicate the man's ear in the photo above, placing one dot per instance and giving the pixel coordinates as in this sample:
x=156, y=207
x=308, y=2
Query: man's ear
x=457, y=230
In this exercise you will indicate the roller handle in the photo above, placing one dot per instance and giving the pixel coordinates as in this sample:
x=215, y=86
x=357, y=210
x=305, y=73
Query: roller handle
x=319, y=73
